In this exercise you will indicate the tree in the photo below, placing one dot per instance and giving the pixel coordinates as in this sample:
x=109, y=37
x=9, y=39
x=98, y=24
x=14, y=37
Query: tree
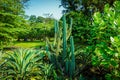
x=86, y=6
x=40, y=27
x=40, y=19
x=11, y=19
x=15, y=7
x=32, y=19
x=82, y=13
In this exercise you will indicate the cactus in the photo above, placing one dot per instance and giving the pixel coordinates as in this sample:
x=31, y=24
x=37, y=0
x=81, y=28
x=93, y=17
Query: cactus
x=72, y=56
x=64, y=37
x=58, y=53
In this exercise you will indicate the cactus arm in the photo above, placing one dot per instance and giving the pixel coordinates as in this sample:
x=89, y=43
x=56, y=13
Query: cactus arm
x=70, y=28
x=71, y=22
x=64, y=37
x=72, y=55
x=55, y=28
x=72, y=44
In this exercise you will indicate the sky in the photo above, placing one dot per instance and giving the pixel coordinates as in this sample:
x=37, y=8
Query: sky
x=41, y=7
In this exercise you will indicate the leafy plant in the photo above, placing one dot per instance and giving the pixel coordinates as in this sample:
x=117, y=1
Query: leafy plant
x=115, y=72
x=2, y=62
x=46, y=71
x=105, y=39
x=22, y=64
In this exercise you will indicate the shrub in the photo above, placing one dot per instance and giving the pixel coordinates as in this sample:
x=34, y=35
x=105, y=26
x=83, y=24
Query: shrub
x=22, y=64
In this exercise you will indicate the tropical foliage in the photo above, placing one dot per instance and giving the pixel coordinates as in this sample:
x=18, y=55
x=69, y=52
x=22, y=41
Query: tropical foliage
x=11, y=19
x=86, y=43
x=21, y=64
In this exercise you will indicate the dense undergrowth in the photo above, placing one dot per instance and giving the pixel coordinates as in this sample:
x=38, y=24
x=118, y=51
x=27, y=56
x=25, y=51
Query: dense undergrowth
x=99, y=59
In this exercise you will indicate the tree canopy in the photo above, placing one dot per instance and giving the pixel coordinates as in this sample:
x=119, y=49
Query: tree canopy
x=11, y=19
x=15, y=7
x=82, y=12
x=86, y=6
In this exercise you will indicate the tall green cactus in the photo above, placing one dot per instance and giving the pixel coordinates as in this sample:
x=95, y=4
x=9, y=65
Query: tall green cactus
x=64, y=37
x=58, y=53
x=72, y=56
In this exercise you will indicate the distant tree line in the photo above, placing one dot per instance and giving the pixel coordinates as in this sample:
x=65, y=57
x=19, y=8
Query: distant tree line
x=15, y=25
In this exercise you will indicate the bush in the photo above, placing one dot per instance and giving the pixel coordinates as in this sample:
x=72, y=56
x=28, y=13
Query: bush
x=22, y=64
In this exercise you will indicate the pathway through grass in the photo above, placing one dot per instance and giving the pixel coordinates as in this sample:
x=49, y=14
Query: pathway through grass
x=29, y=44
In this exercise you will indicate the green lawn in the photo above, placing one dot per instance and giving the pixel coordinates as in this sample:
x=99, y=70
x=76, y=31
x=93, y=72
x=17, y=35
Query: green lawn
x=29, y=44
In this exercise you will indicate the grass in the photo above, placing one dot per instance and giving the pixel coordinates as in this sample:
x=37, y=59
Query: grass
x=25, y=44
x=28, y=44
